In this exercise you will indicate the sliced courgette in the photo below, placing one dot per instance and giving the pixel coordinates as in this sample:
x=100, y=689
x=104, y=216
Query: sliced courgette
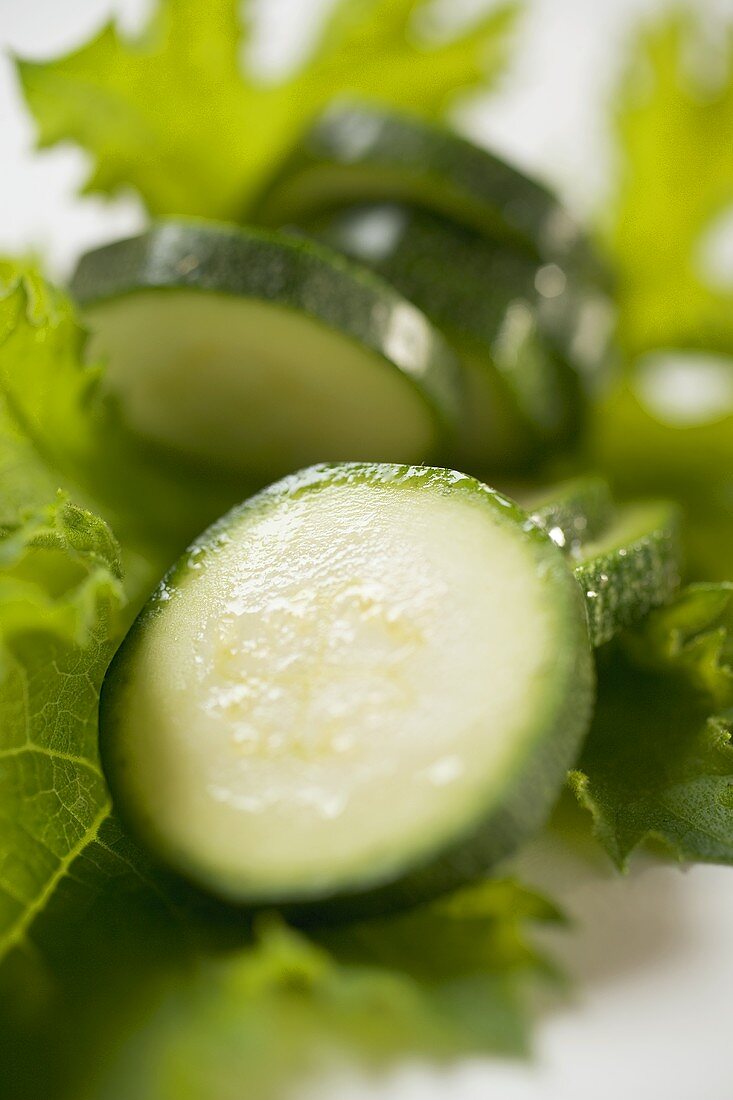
x=634, y=567
x=510, y=322
x=358, y=153
x=365, y=684
x=258, y=353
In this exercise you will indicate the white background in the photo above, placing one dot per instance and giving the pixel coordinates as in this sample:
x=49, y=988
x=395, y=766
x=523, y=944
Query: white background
x=652, y=953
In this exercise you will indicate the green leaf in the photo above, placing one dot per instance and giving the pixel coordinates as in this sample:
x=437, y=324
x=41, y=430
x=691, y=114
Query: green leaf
x=62, y=605
x=445, y=979
x=60, y=599
x=138, y=987
x=44, y=393
x=674, y=122
x=172, y=113
x=96, y=958
x=667, y=428
x=469, y=955
x=659, y=762
x=58, y=430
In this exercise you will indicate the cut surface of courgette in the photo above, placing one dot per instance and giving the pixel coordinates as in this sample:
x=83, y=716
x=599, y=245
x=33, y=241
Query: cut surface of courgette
x=257, y=353
x=510, y=319
x=358, y=152
x=366, y=684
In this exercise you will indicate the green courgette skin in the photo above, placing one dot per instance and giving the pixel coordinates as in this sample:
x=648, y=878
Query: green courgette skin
x=541, y=764
x=356, y=153
x=293, y=274
x=574, y=512
x=627, y=560
x=625, y=578
x=477, y=291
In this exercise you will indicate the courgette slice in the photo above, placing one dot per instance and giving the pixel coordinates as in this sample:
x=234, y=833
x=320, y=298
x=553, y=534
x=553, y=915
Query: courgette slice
x=257, y=353
x=511, y=320
x=633, y=568
x=360, y=153
x=574, y=513
x=360, y=688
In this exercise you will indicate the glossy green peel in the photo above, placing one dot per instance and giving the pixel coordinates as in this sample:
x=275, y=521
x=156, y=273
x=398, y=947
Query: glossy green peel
x=514, y=323
x=573, y=513
x=633, y=568
x=358, y=152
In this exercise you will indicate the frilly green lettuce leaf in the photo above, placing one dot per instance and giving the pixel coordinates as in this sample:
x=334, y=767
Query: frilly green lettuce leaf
x=674, y=113
x=667, y=427
x=138, y=987
x=60, y=614
x=448, y=978
x=44, y=393
x=174, y=114
x=658, y=763
x=58, y=430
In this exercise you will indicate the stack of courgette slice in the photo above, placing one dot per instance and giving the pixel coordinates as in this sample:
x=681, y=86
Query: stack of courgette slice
x=365, y=684
x=413, y=299
x=490, y=256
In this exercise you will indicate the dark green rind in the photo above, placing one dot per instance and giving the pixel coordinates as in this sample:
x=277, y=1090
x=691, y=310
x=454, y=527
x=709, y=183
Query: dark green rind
x=573, y=513
x=292, y=274
x=493, y=830
x=635, y=567
x=357, y=152
x=479, y=293
x=422, y=252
